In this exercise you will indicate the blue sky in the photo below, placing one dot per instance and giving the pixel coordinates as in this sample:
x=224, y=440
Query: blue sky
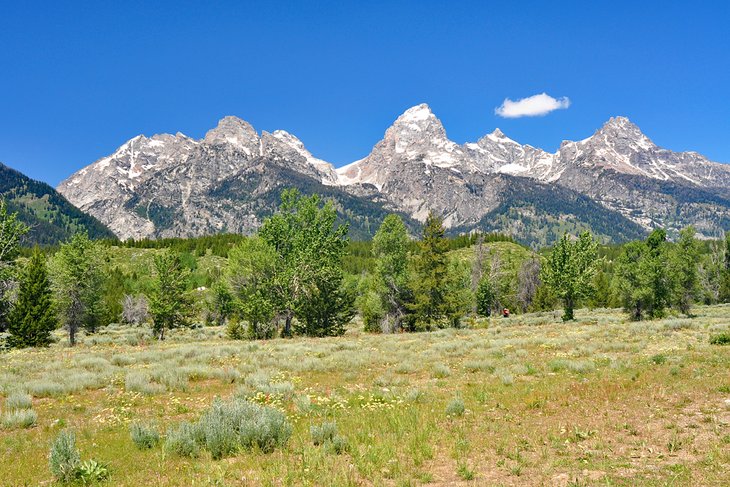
x=79, y=79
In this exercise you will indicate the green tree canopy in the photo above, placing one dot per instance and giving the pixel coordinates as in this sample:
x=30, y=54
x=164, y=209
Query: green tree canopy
x=309, y=247
x=32, y=319
x=569, y=270
x=77, y=276
x=169, y=302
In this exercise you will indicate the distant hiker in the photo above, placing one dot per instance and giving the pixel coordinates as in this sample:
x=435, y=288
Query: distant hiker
x=505, y=313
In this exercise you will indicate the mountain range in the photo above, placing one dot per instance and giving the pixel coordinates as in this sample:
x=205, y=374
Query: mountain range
x=616, y=183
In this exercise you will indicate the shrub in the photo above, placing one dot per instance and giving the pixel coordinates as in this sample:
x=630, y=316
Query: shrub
x=122, y=360
x=229, y=426
x=658, y=359
x=19, y=400
x=140, y=382
x=144, y=436
x=181, y=441
x=303, y=404
x=20, y=418
x=441, y=371
x=721, y=339
x=64, y=459
x=235, y=330
x=455, y=407
x=44, y=388
x=323, y=433
x=338, y=445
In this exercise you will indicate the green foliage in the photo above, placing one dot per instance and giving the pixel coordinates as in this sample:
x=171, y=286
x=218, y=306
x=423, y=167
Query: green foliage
x=181, y=440
x=77, y=275
x=308, y=282
x=323, y=433
x=221, y=305
x=455, y=407
x=641, y=277
x=720, y=339
x=230, y=426
x=570, y=269
x=170, y=304
x=390, y=275
x=19, y=400
x=11, y=231
x=49, y=217
x=684, y=270
x=64, y=459
x=91, y=472
x=32, y=319
x=144, y=436
x=18, y=418
x=724, y=291
x=485, y=296
x=430, y=281
x=252, y=268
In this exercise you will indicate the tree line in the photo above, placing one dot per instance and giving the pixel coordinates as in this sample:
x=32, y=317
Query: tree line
x=292, y=278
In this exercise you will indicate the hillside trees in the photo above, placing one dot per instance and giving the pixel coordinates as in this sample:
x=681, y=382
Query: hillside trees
x=77, y=275
x=11, y=231
x=32, y=319
x=569, y=270
x=170, y=304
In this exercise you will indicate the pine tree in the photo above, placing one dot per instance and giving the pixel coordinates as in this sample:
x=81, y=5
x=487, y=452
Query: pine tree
x=431, y=275
x=570, y=269
x=11, y=231
x=32, y=319
x=170, y=304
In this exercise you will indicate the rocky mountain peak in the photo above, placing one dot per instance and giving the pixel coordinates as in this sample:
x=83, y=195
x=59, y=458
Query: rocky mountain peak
x=418, y=119
x=622, y=131
x=234, y=132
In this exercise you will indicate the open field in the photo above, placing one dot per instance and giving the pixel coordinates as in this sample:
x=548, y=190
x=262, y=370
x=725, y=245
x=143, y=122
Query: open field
x=524, y=401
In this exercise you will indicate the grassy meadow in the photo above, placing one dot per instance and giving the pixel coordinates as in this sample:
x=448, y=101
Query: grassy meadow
x=522, y=401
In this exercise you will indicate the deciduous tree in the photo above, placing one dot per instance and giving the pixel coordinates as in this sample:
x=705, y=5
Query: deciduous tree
x=569, y=270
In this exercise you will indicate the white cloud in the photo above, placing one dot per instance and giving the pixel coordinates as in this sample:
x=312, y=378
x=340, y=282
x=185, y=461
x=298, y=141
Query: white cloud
x=532, y=106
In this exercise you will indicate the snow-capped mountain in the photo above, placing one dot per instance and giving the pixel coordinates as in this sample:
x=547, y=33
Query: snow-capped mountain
x=618, y=167
x=616, y=182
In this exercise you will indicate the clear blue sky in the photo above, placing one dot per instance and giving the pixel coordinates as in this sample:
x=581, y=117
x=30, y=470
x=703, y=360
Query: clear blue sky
x=79, y=79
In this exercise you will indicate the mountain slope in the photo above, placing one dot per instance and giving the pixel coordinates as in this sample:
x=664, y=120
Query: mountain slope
x=49, y=215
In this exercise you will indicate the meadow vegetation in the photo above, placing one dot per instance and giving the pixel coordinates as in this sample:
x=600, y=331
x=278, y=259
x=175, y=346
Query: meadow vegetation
x=296, y=357
x=529, y=400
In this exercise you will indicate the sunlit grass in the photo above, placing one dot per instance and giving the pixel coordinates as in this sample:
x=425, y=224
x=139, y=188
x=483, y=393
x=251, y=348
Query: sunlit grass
x=524, y=401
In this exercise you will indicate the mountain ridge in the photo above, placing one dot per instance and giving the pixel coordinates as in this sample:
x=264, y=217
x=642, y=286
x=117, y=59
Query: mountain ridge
x=157, y=186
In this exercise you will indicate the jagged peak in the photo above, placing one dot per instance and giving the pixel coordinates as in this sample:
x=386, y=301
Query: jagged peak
x=417, y=119
x=623, y=128
x=233, y=131
x=417, y=113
